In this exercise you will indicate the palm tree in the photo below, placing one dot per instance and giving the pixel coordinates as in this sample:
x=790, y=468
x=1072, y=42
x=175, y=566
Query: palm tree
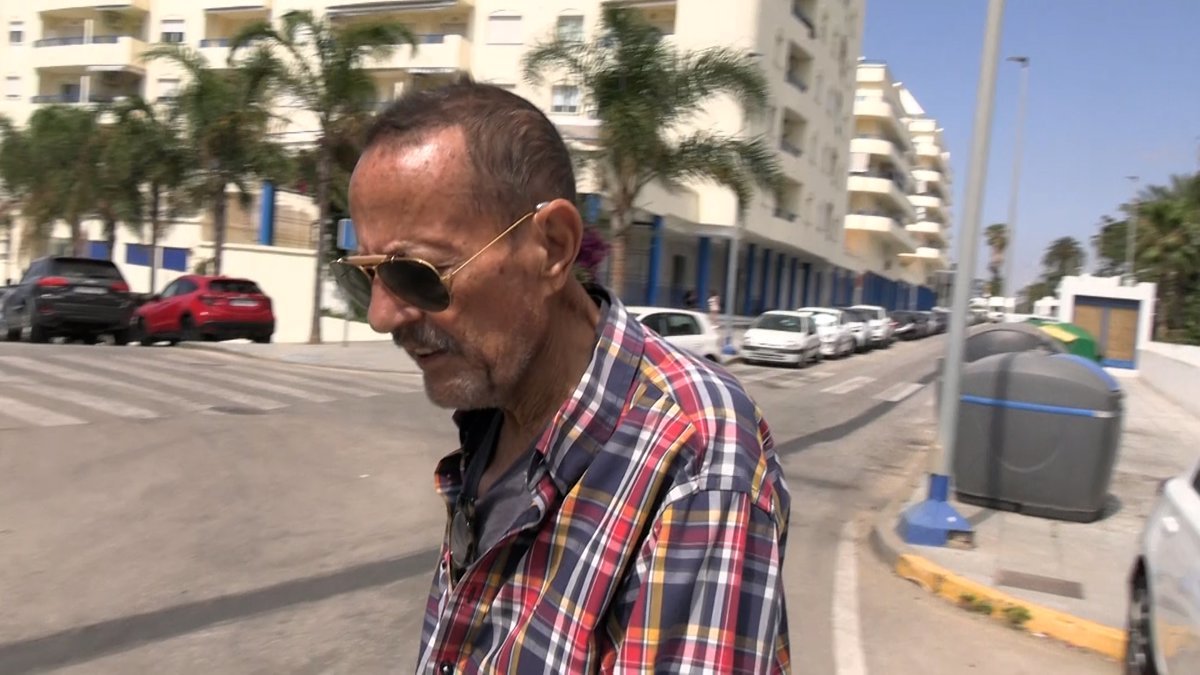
x=1168, y=244
x=154, y=136
x=996, y=236
x=645, y=93
x=226, y=121
x=1063, y=257
x=321, y=67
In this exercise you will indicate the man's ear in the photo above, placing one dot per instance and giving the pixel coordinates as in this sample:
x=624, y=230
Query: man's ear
x=562, y=235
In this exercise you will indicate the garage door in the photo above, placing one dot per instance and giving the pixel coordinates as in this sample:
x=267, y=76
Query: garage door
x=1114, y=323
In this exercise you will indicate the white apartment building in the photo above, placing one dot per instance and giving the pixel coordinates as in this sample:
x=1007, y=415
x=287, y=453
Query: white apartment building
x=78, y=52
x=898, y=194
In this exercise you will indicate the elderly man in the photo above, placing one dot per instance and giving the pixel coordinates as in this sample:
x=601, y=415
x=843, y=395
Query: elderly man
x=616, y=504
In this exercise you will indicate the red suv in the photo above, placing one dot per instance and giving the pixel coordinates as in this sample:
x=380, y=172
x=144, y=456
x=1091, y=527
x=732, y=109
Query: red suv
x=195, y=307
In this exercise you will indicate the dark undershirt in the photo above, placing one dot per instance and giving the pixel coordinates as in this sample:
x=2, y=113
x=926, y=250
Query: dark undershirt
x=498, y=509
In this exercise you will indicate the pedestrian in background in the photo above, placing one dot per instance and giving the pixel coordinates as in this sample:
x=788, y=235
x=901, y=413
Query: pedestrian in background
x=614, y=503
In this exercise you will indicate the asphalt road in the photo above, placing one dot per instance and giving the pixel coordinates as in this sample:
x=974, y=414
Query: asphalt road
x=171, y=510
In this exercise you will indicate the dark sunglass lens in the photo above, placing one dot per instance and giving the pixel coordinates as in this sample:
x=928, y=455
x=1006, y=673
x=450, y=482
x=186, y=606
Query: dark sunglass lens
x=354, y=282
x=416, y=283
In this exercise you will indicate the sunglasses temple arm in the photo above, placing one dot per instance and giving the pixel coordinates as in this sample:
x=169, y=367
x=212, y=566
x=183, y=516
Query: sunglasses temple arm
x=489, y=244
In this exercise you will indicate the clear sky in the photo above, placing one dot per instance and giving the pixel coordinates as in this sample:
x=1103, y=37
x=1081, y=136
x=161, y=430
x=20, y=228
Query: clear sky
x=1114, y=90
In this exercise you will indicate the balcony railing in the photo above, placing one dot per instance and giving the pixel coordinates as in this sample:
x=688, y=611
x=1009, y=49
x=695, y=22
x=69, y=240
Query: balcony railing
x=799, y=14
x=78, y=98
x=788, y=147
x=215, y=42
x=79, y=40
x=785, y=214
x=796, y=81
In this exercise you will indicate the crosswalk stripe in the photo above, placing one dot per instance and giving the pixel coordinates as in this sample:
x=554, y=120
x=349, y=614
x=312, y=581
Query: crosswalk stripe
x=249, y=382
x=143, y=372
x=899, y=391
x=849, y=385
x=313, y=375
x=157, y=395
x=105, y=405
x=315, y=380
x=32, y=414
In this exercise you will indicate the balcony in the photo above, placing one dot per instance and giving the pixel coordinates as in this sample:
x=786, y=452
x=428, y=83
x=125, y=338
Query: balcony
x=880, y=109
x=238, y=6
x=882, y=147
x=927, y=201
x=884, y=226
x=784, y=214
x=216, y=51
x=359, y=7
x=880, y=184
x=927, y=231
x=802, y=16
x=435, y=53
x=98, y=52
x=52, y=6
x=933, y=257
x=790, y=147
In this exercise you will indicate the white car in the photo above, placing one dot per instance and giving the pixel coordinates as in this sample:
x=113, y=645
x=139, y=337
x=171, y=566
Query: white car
x=837, y=339
x=879, y=324
x=1163, y=624
x=780, y=336
x=683, y=328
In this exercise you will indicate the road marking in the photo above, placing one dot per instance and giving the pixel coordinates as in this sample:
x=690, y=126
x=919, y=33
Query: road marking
x=68, y=374
x=104, y=405
x=899, y=391
x=848, y=656
x=249, y=381
x=324, y=385
x=32, y=414
x=363, y=385
x=147, y=373
x=849, y=385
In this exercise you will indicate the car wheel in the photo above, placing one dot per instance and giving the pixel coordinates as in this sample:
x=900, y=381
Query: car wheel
x=38, y=333
x=263, y=339
x=144, y=338
x=120, y=337
x=1138, y=657
x=12, y=334
x=187, y=330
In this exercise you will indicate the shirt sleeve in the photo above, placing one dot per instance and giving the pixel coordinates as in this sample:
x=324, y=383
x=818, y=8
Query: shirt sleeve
x=707, y=592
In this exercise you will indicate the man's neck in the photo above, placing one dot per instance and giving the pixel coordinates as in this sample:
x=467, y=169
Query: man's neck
x=555, y=372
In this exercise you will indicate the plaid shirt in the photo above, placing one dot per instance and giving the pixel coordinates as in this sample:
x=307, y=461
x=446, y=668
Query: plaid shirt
x=654, y=539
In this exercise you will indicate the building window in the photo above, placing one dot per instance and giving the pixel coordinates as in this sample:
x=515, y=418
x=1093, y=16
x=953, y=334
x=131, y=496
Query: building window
x=168, y=88
x=12, y=87
x=16, y=32
x=137, y=254
x=174, y=259
x=172, y=30
x=504, y=29
x=570, y=28
x=565, y=99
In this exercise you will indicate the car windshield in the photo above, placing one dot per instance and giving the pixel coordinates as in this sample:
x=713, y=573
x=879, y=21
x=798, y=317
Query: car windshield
x=824, y=319
x=85, y=269
x=783, y=322
x=233, y=286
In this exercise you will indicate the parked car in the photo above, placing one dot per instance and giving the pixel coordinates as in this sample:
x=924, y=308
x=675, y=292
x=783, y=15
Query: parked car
x=196, y=307
x=683, y=328
x=837, y=339
x=906, y=325
x=781, y=336
x=858, y=326
x=65, y=296
x=1163, y=623
x=879, y=324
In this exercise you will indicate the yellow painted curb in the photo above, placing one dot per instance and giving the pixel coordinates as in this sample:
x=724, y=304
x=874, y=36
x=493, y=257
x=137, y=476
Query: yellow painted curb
x=1072, y=630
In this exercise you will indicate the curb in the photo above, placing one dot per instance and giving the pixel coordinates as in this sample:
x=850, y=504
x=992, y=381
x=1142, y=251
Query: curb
x=956, y=589
x=259, y=357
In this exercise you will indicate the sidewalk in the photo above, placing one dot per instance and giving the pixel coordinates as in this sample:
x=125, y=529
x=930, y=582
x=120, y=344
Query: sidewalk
x=1071, y=577
x=379, y=356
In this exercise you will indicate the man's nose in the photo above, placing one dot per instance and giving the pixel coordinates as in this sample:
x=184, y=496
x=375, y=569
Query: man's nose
x=387, y=312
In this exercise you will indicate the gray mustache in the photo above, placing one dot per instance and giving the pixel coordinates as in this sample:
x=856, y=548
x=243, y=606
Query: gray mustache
x=423, y=336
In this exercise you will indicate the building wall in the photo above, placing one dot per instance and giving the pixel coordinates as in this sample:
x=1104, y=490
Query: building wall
x=808, y=49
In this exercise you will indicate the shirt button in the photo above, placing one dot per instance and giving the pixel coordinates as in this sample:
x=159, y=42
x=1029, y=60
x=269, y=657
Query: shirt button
x=446, y=668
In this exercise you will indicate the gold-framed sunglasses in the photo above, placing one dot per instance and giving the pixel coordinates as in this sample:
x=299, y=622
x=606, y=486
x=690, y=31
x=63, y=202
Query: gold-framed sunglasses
x=413, y=280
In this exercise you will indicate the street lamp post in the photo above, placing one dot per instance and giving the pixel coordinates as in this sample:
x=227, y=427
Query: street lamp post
x=935, y=521
x=731, y=273
x=1010, y=256
x=1131, y=236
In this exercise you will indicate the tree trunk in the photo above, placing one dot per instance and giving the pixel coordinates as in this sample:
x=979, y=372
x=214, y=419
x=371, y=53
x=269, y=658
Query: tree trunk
x=324, y=165
x=155, y=196
x=220, y=209
x=78, y=241
x=620, y=231
x=110, y=235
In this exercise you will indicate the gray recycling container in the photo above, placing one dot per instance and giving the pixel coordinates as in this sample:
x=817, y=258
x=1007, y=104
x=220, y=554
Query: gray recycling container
x=1038, y=433
x=1000, y=338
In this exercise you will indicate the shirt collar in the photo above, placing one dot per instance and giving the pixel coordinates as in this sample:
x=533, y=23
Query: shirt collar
x=589, y=416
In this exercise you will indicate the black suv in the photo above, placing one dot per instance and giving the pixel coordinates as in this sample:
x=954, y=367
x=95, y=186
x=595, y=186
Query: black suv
x=77, y=298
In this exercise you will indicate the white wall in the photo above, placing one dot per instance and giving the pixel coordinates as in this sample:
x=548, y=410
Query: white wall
x=1109, y=287
x=1174, y=370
